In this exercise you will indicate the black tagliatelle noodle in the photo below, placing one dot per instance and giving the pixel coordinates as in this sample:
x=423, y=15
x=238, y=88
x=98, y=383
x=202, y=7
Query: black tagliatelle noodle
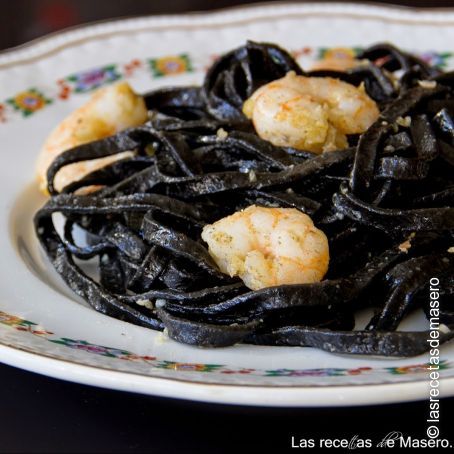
x=386, y=205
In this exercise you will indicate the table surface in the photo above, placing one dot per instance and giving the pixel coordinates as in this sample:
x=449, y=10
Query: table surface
x=41, y=414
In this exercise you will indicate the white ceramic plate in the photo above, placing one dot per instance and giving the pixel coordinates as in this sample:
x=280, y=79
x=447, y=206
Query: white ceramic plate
x=45, y=328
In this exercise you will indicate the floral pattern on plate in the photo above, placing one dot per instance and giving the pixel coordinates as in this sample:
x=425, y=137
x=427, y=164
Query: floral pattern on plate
x=30, y=101
x=26, y=325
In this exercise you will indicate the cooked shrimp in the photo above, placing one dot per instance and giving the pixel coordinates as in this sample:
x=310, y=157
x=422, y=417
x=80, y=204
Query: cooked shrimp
x=335, y=64
x=337, y=59
x=109, y=110
x=268, y=246
x=310, y=113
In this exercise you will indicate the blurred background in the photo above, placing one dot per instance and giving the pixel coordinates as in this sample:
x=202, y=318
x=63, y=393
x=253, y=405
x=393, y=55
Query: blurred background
x=23, y=20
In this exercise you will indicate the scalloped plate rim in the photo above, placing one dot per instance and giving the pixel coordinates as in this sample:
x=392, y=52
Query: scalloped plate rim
x=94, y=29
x=253, y=395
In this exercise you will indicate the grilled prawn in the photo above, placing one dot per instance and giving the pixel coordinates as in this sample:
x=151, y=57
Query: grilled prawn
x=109, y=110
x=268, y=246
x=310, y=113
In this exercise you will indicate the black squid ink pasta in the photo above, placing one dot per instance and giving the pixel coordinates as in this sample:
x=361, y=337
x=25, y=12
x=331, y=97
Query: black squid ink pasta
x=385, y=203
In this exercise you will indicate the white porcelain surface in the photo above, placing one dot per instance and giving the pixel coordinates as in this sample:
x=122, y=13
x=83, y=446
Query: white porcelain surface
x=57, y=334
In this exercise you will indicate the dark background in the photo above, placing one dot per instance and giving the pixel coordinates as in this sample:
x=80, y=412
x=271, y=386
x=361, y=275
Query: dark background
x=40, y=414
x=23, y=20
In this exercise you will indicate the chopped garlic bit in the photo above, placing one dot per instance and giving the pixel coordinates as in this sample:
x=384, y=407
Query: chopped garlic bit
x=405, y=122
x=162, y=337
x=394, y=78
x=160, y=302
x=443, y=328
x=145, y=303
x=451, y=250
x=252, y=176
x=222, y=134
x=427, y=83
